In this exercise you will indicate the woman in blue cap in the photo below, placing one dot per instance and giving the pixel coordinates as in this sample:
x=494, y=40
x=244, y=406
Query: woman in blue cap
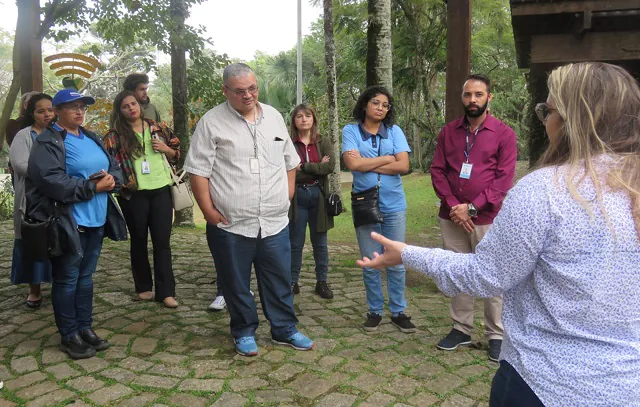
x=70, y=175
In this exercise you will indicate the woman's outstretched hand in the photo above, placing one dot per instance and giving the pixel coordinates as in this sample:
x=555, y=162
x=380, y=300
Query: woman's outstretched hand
x=392, y=255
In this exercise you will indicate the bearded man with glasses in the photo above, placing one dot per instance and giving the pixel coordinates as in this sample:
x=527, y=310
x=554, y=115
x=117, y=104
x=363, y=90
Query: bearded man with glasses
x=473, y=168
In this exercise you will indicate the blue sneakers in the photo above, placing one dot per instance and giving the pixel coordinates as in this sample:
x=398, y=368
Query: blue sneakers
x=246, y=346
x=297, y=341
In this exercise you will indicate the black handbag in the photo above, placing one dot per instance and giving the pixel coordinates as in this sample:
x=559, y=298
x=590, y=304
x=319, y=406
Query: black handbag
x=334, y=204
x=43, y=240
x=364, y=205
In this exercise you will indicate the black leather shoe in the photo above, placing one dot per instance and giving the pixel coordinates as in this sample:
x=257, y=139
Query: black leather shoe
x=90, y=337
x=76, y=347
x=323, y=290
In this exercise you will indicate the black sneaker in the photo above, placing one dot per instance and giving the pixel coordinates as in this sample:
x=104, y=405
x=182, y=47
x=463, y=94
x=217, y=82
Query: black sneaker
x=76, y=347
x=494, y=349
x=323, y=290
x=90, y=337
x=403, y=323
x=295, y=288
x=372, y=322
x=454, y=339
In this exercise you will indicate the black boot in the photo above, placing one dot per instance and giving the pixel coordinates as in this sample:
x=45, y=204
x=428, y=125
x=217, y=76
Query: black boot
x=90, y=337
x=323, y=290
x=76, y=347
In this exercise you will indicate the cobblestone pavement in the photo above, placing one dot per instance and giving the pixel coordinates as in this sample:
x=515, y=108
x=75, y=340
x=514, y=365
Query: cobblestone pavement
x=185, y=357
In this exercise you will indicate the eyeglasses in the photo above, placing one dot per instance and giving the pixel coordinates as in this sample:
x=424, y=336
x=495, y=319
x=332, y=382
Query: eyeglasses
x=376, y=103
x=253, y=89
x=543, y=111
x=79, y=109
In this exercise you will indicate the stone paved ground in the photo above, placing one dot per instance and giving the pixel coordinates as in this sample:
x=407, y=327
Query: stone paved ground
x=185, y=357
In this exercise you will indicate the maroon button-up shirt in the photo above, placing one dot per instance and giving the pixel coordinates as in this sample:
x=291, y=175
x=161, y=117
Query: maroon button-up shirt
x=493, y=156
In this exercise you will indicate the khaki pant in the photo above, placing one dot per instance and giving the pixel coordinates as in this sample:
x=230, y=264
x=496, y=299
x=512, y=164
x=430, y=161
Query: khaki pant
x=456, y=239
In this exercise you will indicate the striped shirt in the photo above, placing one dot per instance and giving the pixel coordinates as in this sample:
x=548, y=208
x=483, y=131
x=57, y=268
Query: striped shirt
x=222, y=148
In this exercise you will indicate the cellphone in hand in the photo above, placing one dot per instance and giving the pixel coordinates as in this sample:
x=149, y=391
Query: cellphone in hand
x=98, y=175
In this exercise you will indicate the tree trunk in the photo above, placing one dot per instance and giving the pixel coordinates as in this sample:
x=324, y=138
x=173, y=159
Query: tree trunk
x=332, y=93
x=379, y=45
x=31, y=45
x=180, y=94
x=14, y=89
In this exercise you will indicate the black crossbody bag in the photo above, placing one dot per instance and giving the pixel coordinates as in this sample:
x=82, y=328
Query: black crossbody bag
x=43, y=240
x=365, y=205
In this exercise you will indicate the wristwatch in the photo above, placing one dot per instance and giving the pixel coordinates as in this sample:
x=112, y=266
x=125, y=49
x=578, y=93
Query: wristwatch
x=472, y=210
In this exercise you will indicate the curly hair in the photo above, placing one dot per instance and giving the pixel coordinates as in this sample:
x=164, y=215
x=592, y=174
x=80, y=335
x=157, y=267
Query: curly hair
x=359, y=111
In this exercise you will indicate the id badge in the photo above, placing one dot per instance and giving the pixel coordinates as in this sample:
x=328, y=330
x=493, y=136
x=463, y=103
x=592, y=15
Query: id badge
x=146, y=169
x=465, y=171
x=254, y=166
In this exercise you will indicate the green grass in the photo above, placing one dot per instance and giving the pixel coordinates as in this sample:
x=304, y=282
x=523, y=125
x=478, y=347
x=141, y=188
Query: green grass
x=422, y=214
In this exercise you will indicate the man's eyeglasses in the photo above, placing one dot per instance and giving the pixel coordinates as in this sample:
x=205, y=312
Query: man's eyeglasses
x=253, y=89
x=543, y=111
x=79, y=109
x=376, y=103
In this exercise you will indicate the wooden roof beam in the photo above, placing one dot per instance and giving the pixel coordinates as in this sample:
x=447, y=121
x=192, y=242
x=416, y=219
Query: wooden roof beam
x=592, y=46
x=527, y=9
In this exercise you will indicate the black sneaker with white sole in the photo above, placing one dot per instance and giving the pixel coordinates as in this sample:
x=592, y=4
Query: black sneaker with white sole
x=372, y=322
x=403, y=323
x=494, y=349
x=454, y=339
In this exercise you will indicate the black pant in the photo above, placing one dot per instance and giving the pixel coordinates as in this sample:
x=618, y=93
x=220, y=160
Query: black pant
x=151, y=211
x=510, y=390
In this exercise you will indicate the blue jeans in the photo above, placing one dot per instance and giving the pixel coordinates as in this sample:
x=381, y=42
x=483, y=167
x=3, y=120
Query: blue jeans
x=233, y=256
x=509, y=389
x=394, y=228
x=72, y=288
x=307, y=212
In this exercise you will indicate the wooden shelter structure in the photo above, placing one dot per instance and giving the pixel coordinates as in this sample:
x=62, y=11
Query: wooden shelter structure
x=550, y=33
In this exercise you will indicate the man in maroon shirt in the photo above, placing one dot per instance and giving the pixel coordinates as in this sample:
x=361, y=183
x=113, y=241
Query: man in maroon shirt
x=473, y=168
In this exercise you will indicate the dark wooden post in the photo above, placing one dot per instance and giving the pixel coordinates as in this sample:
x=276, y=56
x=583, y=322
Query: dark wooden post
x=537, y=85
x=458, y=55
x=30, y=46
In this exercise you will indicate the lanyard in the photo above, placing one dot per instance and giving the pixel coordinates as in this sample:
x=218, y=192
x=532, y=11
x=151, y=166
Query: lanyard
x=468, y=147
x=144, y=151
x=253, y=130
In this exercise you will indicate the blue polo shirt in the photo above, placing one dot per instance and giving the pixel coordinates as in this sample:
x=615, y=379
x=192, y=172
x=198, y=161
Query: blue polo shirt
x=391, y=141
x=86, y=157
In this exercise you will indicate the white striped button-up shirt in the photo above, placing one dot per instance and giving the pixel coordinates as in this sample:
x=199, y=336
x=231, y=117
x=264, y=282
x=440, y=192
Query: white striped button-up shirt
x=222, y=147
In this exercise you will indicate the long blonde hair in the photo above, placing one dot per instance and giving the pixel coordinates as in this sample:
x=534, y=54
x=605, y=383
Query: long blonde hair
x=600, y=107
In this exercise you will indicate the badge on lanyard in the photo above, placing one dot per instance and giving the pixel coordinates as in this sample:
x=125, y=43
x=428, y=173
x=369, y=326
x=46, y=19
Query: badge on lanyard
x=465, y=171
x=146, y=168
x=254, y=166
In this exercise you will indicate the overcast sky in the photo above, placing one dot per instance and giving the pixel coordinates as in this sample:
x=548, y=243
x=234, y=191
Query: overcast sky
x=238, y=28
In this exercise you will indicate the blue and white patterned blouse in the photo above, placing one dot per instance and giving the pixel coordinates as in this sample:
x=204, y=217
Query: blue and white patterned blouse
x=571, y=286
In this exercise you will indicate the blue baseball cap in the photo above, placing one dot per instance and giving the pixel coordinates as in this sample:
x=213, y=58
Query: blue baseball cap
x=71, y=95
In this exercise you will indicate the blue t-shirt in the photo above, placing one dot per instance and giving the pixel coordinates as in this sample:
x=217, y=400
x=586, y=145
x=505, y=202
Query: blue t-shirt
x=392, y=141
x=84, y=158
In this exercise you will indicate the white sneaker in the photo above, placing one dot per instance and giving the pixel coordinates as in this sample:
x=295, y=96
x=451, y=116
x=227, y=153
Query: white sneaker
x=218, y=304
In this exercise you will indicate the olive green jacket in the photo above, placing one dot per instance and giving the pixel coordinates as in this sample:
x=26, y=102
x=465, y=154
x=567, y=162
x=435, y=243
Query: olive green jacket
x=317, y=171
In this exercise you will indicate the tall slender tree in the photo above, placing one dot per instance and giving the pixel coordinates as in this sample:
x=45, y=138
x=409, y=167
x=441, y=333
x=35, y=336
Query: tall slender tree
x=332, y=92
x=179, y=89
x=379, y=44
